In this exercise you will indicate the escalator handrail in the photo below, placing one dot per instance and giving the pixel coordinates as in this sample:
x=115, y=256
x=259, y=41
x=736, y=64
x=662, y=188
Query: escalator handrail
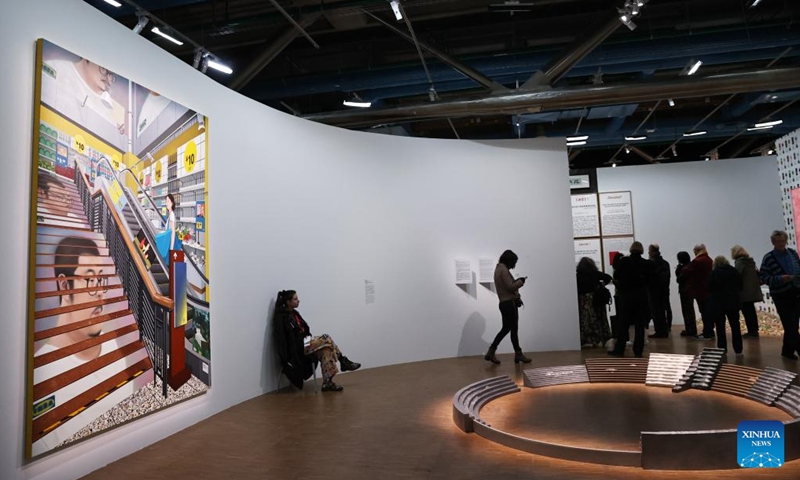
x=146, y=195
x=197, y=268
x=139, y=216
x=152, y=289
x=150, y=237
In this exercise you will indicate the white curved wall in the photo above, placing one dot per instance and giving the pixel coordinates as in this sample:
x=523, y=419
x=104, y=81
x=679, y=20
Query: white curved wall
x=295, y=204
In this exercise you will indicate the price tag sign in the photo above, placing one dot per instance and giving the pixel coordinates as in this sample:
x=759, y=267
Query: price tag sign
x=190, y=157
x=116, y=162
x=158, y=171
x=79, y=144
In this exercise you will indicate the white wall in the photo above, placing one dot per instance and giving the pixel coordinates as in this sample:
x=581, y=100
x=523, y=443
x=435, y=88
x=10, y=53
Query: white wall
x=720, y=203
x=294, y=204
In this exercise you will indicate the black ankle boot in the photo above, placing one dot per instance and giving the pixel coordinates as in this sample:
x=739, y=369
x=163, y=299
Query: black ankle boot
x=329, y=386
x=490, y=356
x=519, y=357
x=347, y=365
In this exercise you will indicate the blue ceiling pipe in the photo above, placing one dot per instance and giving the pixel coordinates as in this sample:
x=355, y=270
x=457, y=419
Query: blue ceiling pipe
x=646, y=55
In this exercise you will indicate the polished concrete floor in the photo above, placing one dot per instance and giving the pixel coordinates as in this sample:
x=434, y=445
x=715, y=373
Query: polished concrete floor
x=396, y=423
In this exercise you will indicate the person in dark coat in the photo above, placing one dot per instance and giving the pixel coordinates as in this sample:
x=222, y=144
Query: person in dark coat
x=751, y=288
x=633, y=275
x=297, y=348
x=696, y=276
x=724, y=297
x=659, y=293
x=780, y=270
x=687, y=303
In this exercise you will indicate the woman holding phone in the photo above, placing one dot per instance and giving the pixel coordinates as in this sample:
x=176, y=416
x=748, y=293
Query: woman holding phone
x=510, y=301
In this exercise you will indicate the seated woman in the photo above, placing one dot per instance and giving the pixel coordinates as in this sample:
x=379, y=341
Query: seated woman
x=295, y=344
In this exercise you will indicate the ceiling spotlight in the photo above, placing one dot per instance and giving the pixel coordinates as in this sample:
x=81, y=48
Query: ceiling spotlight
x=614, y=165
x=674, y=151
x=768, y=124
x=706, y=159
x=771, y=152
x=671, y=102
x=168, y=37
x=578, y=138
x=201, y=123
x=114, y=3
x=634, y=138
x=695, y=133
x=576, y=144
x=348, y=103
x=627, y=150
x=692, y=67
x=398, y=14
x=753, y=129
x=220, y=67
x=753, y=5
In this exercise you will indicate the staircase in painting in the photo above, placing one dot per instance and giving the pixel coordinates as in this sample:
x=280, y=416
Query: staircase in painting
x=89, y=350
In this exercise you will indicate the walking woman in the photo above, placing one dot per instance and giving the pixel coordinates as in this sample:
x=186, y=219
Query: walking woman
x=510, y=301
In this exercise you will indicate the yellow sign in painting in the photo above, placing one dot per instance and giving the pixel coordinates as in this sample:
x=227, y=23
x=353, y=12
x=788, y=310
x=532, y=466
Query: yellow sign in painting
x=79, y=144
x=158, y=171
x=115, y=192
x=190, y=157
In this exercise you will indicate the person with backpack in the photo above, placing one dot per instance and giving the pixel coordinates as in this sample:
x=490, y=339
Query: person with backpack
x=658, y=293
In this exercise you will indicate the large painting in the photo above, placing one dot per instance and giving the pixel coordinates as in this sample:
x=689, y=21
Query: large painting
x=119, y=317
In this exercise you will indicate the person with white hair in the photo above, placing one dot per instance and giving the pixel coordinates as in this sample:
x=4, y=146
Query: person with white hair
x=751, y=288
x=780, y=270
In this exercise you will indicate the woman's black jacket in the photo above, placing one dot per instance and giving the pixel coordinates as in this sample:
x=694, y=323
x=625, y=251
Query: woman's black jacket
x=289, y=342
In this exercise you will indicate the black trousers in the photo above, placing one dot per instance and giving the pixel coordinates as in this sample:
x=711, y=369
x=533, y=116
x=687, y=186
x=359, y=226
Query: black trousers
x=750, y=317
x=659, y=301
x=788, y=306
x=632, y=309
x=736, y=331
x=708, y=320
x=689, y=319
x=510, y=315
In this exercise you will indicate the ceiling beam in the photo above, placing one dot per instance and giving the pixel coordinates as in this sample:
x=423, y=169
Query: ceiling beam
x=466, y=70
x=558, y=67
x=517, y=102
x=271, y=51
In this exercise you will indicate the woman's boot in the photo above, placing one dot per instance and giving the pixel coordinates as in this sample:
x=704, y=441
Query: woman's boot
x=519, y=357
x=347, y=365
x=489, y=357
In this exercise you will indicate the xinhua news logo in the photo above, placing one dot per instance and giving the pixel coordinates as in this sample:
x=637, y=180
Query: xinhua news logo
x=760, y=444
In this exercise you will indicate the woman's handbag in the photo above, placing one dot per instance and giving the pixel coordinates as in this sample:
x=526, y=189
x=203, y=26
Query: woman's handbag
x=602, y=296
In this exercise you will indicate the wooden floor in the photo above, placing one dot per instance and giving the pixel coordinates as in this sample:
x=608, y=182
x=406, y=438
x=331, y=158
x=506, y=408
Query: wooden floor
x=396, y=422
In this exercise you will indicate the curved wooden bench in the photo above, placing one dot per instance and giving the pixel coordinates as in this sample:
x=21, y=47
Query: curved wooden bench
x=665, y=450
